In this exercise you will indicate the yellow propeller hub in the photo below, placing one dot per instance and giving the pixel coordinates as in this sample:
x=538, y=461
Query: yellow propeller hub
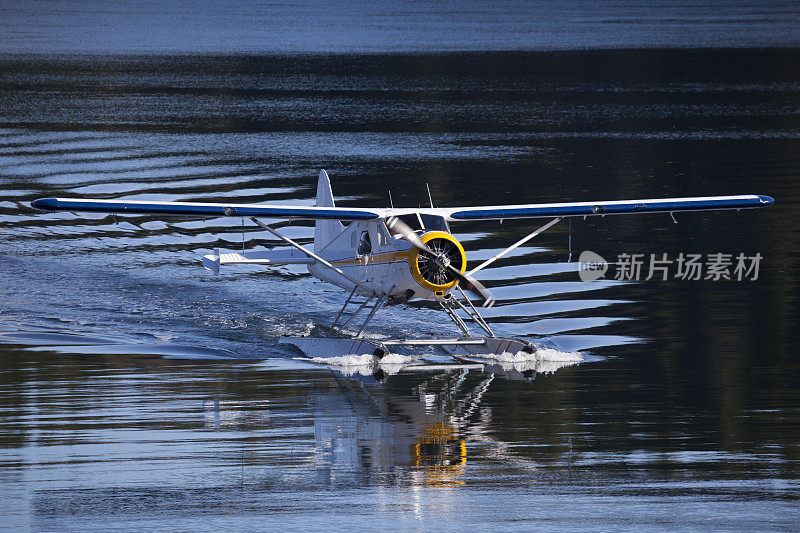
x=433, y=273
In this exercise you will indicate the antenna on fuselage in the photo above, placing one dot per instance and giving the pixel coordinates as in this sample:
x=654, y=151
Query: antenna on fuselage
x=429, y=193
x=391, y=203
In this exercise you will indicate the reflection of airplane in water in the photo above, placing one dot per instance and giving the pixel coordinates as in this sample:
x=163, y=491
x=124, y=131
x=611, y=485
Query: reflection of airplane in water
x=409, y=428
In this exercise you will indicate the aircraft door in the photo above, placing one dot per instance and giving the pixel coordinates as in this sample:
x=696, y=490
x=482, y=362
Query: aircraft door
x=380, y=239
x=364, y=250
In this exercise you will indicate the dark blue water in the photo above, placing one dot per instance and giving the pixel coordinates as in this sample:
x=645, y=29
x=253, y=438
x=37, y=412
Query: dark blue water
x=342, y=26
x=139, y=390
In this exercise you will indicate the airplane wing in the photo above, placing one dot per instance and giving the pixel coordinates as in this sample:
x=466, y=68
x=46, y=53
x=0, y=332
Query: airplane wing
x=120, y=207
x=615, y=207
x=562, y=209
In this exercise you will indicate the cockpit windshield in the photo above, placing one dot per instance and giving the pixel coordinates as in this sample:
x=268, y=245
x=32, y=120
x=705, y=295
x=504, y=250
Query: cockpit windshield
x=424, y=222
x=412, y=221
x=434, y=223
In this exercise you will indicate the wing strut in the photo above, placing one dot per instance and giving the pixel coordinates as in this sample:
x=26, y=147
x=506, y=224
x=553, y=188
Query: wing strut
x=309, y=253
x=513, y=246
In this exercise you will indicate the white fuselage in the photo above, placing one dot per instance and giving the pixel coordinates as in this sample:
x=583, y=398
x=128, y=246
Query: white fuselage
x=381, y=263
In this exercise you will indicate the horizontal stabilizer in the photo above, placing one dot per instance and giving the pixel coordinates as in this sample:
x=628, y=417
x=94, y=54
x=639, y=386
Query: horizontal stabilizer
x=261, y=257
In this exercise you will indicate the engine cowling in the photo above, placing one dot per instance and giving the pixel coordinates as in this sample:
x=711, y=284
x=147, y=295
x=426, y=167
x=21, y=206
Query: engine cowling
x=429, y=272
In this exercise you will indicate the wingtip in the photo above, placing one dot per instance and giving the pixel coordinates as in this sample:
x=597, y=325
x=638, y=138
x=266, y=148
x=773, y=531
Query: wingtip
x=45, y=204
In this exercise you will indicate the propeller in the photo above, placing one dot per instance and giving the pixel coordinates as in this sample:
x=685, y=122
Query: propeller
x=398, y=227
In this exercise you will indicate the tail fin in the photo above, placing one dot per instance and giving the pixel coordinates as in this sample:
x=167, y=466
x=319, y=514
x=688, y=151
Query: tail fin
x=325, y=230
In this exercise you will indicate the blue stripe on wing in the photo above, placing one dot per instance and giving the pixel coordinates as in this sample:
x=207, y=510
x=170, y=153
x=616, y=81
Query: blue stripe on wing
x=613, y=208
x=197, y=209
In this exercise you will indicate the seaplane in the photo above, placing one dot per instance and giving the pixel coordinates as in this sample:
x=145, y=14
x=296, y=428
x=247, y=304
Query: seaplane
x=391, y=256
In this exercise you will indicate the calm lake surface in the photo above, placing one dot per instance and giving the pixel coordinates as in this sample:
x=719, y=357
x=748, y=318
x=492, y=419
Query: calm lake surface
x=139, y=390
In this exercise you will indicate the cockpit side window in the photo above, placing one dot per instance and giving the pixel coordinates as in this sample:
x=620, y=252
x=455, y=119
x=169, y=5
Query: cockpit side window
x=434, y=223
x=364, y=244
x=381, y=234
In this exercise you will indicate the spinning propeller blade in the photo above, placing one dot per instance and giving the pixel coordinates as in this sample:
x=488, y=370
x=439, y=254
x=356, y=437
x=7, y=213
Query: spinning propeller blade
x=399, y=227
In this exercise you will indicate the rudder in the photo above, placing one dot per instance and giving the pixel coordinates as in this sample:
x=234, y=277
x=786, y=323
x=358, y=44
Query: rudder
x=325, y=230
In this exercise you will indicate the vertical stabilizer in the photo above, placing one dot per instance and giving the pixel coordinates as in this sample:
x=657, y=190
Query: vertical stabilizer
x=325, y=230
